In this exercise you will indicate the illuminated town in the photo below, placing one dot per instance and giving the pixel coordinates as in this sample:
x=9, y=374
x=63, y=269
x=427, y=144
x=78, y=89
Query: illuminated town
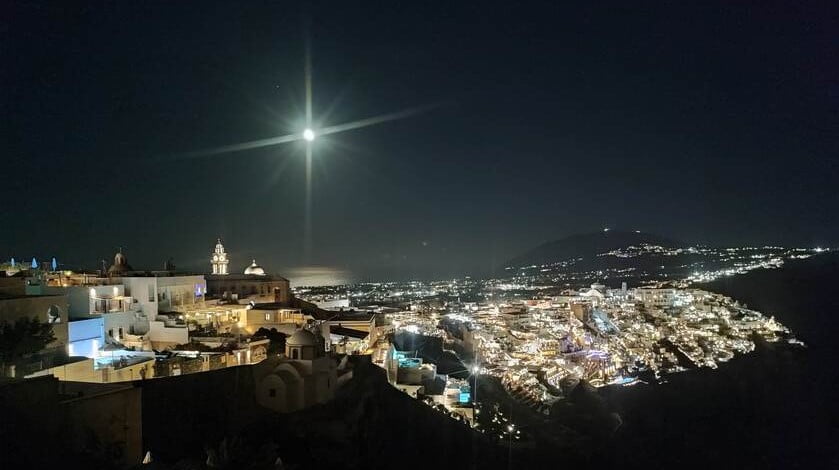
x=398, y=235
x=605, y=336
x=655, y=263
x=119, y=324
x=540, y=339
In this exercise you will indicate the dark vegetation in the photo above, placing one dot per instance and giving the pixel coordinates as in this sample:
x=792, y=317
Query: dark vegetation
x=276, y=338
x=21, y=338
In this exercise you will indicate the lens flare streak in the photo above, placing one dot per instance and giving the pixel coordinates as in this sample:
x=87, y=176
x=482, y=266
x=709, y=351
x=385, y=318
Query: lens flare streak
x=309, y=134
x=253, y=144
x=382, y=118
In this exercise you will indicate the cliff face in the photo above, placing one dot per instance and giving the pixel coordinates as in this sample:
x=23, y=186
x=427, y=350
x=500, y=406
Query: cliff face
x=183, y=414
x=774, y=408
x=801, y=296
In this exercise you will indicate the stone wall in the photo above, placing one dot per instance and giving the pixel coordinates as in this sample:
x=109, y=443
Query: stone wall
x=182, y=414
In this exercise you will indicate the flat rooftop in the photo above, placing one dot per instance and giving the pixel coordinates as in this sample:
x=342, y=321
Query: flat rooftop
x=24, y=296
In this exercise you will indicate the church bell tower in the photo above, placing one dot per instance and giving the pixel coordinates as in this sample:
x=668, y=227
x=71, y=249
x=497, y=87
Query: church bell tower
x=219, y=259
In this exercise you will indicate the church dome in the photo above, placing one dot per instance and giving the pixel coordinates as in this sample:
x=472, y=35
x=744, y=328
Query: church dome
x=255, y=269
x=120, y=264
x=301, y=338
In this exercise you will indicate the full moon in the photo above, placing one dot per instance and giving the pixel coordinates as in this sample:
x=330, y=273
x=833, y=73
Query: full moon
x=309, y=135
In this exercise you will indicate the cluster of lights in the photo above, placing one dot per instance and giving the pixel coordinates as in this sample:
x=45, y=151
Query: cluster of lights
x=630, y=324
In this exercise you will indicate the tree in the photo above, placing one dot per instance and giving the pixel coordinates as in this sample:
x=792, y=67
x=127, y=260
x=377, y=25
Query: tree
x=277, y=338
x=22, y=337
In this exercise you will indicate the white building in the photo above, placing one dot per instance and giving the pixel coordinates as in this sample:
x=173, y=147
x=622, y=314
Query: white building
x=654, y=297
x=86, y=337
x=137, y=308
x=273, y=315
x=219, y=259
x=304, y=377
x=333, y=304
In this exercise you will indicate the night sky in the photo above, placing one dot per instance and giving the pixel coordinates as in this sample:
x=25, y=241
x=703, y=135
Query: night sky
x=710, y=123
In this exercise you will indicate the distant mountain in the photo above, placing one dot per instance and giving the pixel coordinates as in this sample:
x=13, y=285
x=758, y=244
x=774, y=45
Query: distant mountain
x=587, y=245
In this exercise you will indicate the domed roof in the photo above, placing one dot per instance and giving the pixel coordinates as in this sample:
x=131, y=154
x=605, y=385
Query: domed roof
x=301, y=338
x=120, y=264
x=255, y=269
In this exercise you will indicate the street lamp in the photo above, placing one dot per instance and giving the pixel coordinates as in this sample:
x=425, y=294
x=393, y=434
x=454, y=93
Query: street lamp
x=510, y=428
